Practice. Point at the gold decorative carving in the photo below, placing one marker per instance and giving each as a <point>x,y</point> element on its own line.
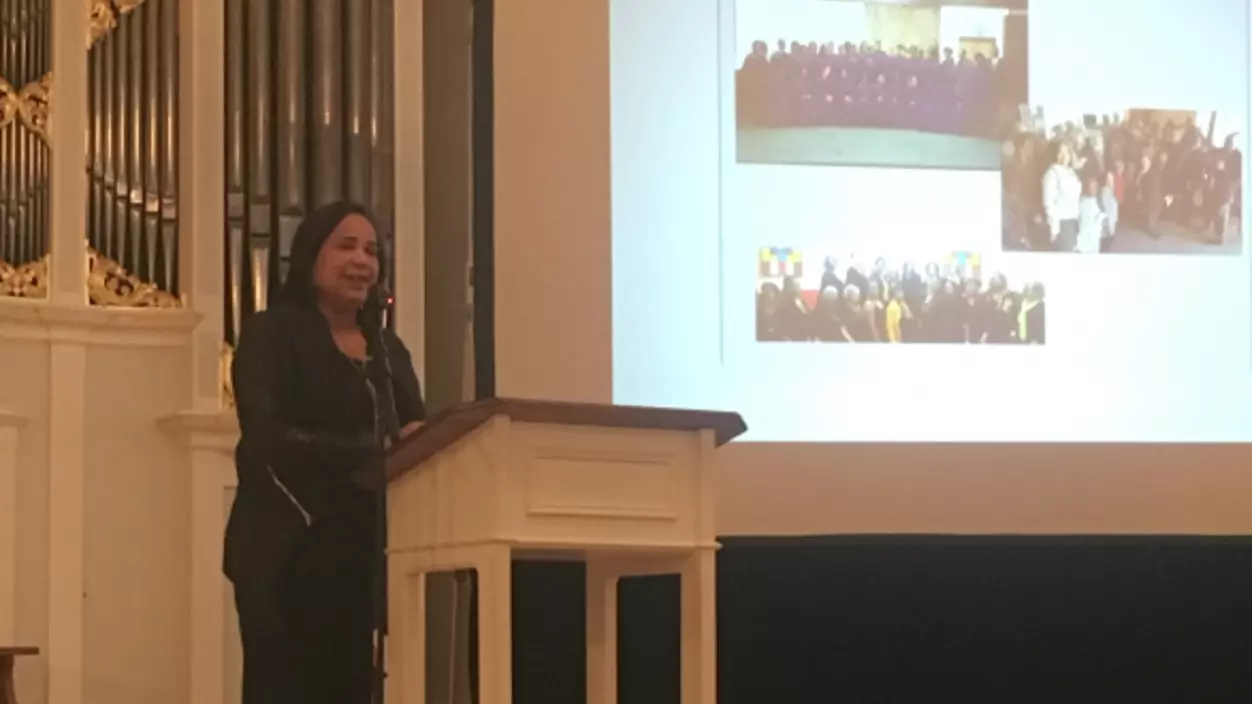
<point>8,103</point>
<point>33,104</point>
<point>109,284</point>
<point>226,359</point>
<point>28,280</point>
<point>30,104</point>
<point>105,15</point>
<point>103,20</point>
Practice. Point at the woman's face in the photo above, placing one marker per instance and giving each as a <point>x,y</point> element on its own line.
<point>347,267</point>
<point>1064,156</point>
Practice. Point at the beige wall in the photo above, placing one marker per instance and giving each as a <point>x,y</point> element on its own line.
<point>120,518</point>
<point>137,562</point>
<point>24,391</point>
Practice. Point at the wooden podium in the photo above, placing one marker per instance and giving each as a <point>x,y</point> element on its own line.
<point>628,490</point>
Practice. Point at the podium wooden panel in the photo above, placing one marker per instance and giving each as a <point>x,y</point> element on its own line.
<point>629,490</point>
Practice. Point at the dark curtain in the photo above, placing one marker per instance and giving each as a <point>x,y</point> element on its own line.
<point>912,620</point>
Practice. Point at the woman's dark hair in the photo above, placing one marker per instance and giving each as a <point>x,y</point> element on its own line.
<point>1054,150</point>
<point>299,288</point>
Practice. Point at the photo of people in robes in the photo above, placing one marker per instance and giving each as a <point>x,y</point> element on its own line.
<point>1142,181</point>
<point>952,299</point>
<point>834,82</point>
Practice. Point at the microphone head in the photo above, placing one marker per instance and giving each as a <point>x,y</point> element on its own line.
<point>380,297</point>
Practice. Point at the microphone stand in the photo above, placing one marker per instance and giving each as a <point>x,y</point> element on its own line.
<point>387,433</point>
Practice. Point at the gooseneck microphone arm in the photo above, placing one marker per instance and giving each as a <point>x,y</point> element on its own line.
<point>387,433</point>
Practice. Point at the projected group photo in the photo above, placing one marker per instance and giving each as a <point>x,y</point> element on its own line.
<point>955,299</point>
<point>836,82</point>
<point>1143,181</point>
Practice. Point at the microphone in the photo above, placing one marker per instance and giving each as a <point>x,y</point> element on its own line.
<point>380,298</point>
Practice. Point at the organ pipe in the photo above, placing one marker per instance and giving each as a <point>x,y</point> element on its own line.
<point>292,124</point>
<point>25,32</point>
<point>327,96</point>
<point>308,121</point>
<point>236,165</point>
<point>132,160</point>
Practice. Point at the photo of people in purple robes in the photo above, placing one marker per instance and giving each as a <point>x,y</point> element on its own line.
<point>925,84</point>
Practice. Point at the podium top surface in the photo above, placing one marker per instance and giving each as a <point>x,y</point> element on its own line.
<point>451,425</point>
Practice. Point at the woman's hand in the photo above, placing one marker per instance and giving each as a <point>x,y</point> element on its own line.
<point>404,433</point>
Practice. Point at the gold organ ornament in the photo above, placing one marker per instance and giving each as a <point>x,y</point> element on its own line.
<point>26,281</point>
<point>29,104</point>
<point>109,284</point>
<point>226,359</point>
<point>8,104</point>
<point>104,16</point>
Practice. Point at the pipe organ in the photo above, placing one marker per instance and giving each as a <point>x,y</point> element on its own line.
<point>308,121</point>
<point>25,58</point>
<point>309,118</point>
<point>132,156</point>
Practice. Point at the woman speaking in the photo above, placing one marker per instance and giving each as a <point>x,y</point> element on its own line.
<point>300,543</point>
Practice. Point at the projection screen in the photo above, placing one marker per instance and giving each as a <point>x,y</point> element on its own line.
<point>964,267</point>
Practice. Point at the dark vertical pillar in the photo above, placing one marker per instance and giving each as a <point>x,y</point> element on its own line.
<point>483,146</point>
<point>446,85</point>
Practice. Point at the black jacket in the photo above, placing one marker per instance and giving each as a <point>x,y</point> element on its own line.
<point>306,419</point>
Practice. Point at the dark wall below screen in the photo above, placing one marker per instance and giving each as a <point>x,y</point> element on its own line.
<point>921,619</point>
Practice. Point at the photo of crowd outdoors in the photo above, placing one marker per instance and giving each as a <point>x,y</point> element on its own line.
<point>955,298</point>
<point>927,84</point>
<point>1142,181</point>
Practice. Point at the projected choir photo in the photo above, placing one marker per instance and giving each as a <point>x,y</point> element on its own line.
<point>834,82</point>
<point>954,299</point>
<point>1142,181</point>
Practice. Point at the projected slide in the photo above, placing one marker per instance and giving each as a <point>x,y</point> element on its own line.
<point>813,296</point>
<point>1147,180</point>
<point>890,84</point>
<point>937,220</point>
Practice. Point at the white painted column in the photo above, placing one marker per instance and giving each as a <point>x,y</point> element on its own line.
<point>210,439</point>
<point>66,490</point>
<point>202,186</point>
<point>210,431</point>
<point>10,424</point>
<point>68,174</point>
<point>68,356</point>
<point>410,182</point>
